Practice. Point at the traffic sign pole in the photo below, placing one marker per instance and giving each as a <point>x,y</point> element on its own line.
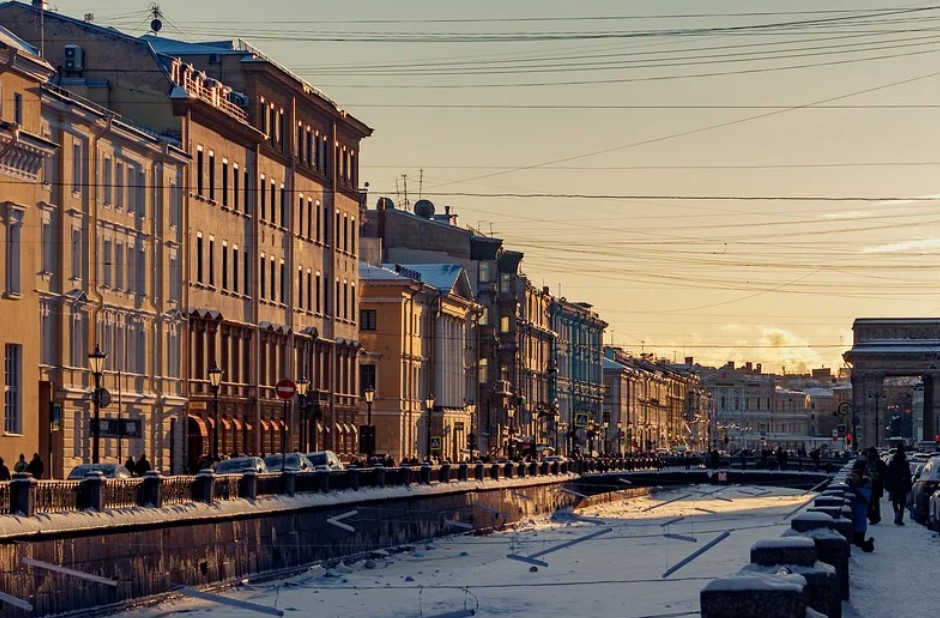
<point>285,389</point>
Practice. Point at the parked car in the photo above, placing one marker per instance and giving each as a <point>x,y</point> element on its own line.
<point>933,511</point>
<point>238,465</point>
<point>925,485</point>
<point>296,462</point>
<point>325,460</point>
<point>110,470</point>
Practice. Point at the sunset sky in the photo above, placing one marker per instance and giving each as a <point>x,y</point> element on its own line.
<point>724,180</point>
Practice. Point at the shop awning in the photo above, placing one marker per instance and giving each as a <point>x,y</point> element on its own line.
<point>201,425</point>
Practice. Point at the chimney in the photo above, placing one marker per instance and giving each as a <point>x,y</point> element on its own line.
<point>689,361</point>
<point>545,290</point>
<point>748,367</point>
<point>759,369</point>
<point>41,5</point>
<point>730,364</point>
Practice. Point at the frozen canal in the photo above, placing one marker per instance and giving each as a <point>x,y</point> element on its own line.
<point>617,574</point>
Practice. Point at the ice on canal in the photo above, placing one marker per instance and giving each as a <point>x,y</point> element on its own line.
<point>616,574</point>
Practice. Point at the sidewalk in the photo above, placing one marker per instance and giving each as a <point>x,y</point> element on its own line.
<point>898,579</point>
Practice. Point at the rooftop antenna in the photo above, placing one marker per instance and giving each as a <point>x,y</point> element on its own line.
<point>89,18</point>
<point>420,183</point>
<point>156,25</point>
<point>398,191</point>
<point>404,182</point>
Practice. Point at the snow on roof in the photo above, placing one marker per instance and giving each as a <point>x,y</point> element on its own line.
<point>172,47</point>
<point>379,273</point>
<point>442,276</point>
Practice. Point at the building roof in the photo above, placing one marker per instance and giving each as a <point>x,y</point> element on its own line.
<point>368,272</point>
<point>444,277</point>
<point>9,39</point>
<point>172,47</point>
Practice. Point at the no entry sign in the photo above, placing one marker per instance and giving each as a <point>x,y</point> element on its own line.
<point>285,388</point>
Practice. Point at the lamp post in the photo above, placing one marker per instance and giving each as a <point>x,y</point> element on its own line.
<point>429,405</point>
<point>215,381</point>
<point>96,363</point>
<point>302,385</point>
<point>369,394</point>
<point>619,438</point>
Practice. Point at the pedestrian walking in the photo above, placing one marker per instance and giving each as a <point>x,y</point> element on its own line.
<point>876,469</point>
<point>36,467</point>
<point>898,483</point>
<point>4,471</point>
<point>143,465</point>
<point>130,465</point>
<point>860,485</point>
<point>20,466</point>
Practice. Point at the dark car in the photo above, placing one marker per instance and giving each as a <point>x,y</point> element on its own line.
<point>111,471</point>
<point>238,465</point>
<point>927,483</point>
<point>296,462</point>
<point>325,460</point>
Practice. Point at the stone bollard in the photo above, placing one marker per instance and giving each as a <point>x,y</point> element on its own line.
<point>544,468</point>
<point>151,490</point>
<point>478,470</point>
<point>248,485</point>
<point>494,472</point>
<point>463,471</point>
<point>558,468</point>
<point>425,474</point>
<point>829,501</point>
<point>533,469</point>
<point>379,475</point>
<point>833,493</point>
<point>352,478</point>
<point>289,482</point>
<point>832,548</point>
<point>23,495</point>
<point>831,511</point>
<point>404,474</point>
<point>523,469</point>
<point>204,487</point>
<point>445,473</point>
<point>822,585</point>
<point>811,521</point>
<point>786,550</point>
<point>321,480</point>
<point>509,470</point>
<point>754,595</point>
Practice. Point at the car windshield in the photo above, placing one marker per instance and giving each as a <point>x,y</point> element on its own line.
<point>274,461</point>
<point>109,470</point>
<point>318,459</point>
<point>235,465</point>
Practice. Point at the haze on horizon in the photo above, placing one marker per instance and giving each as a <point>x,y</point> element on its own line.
<point>732,182</point>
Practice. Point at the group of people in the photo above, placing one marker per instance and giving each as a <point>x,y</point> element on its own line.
<point>34,466</point>
<point>868,481</point>
<point>139,467</point>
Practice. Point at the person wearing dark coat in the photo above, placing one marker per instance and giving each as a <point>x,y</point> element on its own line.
<point>131,466</point>
<point>36,467</point>
<point>898,483</point>
<point>875,470</point>
<point>4,471</point>
<point>143,465</point>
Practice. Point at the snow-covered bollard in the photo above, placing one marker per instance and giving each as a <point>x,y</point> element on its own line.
<point>784,551</point>
<point>832,548</point>
<point>23,495</point>
<point>151,490</point>
<point>248,485</point>
<point>822,584</point>
<point>832,511</point>
<point>755,595</point>
<point>204,487</point>
<point>829,501</point>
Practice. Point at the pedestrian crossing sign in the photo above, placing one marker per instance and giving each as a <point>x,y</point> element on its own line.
<point>581,419</point>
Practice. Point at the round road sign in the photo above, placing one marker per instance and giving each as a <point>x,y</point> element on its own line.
<point>285,388</point>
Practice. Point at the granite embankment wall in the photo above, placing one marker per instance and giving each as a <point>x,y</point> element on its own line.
<point>150,551</point>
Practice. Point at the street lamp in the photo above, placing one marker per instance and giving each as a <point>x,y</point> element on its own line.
<point>302,385</point>
<point>429,404</point>
<point>96,362</point>
<point>215,380</point>
<point>619,438</point>
<point>369,394</point>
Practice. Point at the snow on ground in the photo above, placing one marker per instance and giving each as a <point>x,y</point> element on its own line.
<point>898,578</point>
<point>618,574</point>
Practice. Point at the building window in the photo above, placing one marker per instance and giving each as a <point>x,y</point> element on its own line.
<point>225,266</point>
<point>107,181</point>
<point>310,215</point>
<point>285,206</point>
<point>247,190</point>
<point>211,262</point>
<point>18,108</point>
<point>300,215</point>
<point>77,167</point>
<point>309,291</point>
<point>273,202</point>
<point>264,204</point>
<point>285,281</point>
<point>199,250</point>
<point>200,171</point>
<point>247,287</point>
<point>106,264</point>
<point>367,377</point>
<point>76,254</point>
<point>12,378</point>
<point>300,287</point>
<point>211,175</point>
<point>119,266</point>
<point>225,182</point>
<point>367,319</point>
<point>235,184</point>
<point>14,250</point>
<point>273,287</point>
<point>235,269</point>
<point>264,280</point>
<point>119,185</point>
<point>318,307</point>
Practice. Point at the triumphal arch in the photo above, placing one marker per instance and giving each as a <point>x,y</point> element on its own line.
<point>885,347</point>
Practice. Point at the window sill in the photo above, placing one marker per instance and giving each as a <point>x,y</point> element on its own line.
<point>13,295</point>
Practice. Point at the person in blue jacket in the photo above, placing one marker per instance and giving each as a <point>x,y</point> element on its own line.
<point>860,486</point>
